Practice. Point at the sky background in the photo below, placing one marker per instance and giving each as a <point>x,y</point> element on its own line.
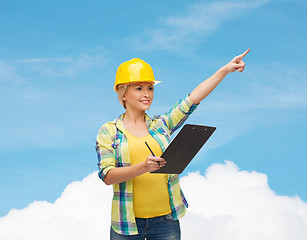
<point>57,68</point>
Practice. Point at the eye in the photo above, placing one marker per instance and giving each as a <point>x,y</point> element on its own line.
<point>150,88</point>
<point>138,88</point>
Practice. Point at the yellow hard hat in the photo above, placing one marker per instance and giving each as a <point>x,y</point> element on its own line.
<point>134,70</point>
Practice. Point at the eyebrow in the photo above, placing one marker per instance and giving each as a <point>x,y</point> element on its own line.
<point>151,85</point>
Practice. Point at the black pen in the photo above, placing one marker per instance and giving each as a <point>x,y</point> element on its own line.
<point>150,149</point>
<point>152,152</point>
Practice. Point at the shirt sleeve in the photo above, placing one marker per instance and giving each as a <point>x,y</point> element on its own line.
<point>178,114</point>
<point>105,152</point>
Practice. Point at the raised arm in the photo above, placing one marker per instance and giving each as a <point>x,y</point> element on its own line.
<point>207,86</point>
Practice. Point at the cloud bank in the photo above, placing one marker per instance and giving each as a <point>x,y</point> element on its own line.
<point>225,203</point>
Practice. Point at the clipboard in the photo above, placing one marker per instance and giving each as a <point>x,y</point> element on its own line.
<point>184,147</point>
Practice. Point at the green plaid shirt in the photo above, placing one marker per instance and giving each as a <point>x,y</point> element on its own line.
<point>112,150</point>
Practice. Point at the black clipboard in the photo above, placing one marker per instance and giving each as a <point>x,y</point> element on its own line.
<point>184,147</point>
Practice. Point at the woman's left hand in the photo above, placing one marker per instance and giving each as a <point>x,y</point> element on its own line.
<point>236,64</point>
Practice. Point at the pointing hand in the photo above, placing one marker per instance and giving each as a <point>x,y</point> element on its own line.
<point>236,64</point>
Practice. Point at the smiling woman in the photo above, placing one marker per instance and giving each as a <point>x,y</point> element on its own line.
<point>136,89</point>
<point>146,205</point>
<point>138,95</point>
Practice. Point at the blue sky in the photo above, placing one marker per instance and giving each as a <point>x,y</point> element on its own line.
<point>57,69</point>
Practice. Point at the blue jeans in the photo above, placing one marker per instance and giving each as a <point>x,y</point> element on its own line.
<point>157,228</point>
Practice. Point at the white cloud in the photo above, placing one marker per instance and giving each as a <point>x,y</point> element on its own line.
<point>9,74</point>
<point>82,212</point>
<point>230,204</point>
<point>225,203</point>
<point>174,32</point>
<point>33,69</point>
<point>66,66</point>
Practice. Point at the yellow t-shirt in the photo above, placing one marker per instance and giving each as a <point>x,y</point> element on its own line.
<point>150,191</point>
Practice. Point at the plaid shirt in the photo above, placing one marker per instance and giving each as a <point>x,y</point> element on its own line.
<point>112,150</point>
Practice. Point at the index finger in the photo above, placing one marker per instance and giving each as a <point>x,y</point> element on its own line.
<point>244,54</point>
<point>158,159</point>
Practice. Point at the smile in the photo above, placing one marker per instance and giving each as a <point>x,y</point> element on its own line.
<point>145,101</point>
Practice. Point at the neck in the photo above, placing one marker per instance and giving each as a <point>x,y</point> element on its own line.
<point>132,117</point>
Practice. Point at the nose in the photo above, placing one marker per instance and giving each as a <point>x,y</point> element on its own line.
<point>146,93</point>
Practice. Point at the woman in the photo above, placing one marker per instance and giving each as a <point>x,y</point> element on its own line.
<point>146,205</point>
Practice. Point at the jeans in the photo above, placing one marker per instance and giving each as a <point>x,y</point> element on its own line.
<point>157,228</point>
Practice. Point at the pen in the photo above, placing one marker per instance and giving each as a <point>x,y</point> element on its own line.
<point>150,149</point>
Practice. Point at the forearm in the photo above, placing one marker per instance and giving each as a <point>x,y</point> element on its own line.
<point>207,86</point>
<point>122,174</point>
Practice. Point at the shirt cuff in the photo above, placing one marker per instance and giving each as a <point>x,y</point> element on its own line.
<point>188,99</point>
<point>188,105</point>
<point>103,173</point>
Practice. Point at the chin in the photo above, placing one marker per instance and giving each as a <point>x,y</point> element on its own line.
<point>139,107</point>
<point>146,108</point>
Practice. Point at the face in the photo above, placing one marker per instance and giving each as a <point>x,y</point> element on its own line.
<point>139,96</point>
